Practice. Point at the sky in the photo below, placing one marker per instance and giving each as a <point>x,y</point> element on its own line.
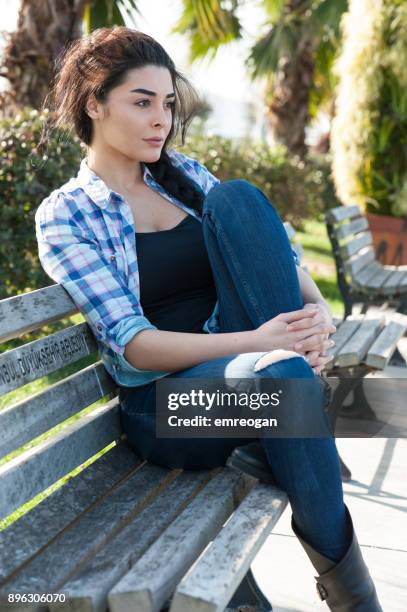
<point>237,102</point>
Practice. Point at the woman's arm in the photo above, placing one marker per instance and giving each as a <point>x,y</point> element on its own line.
<point>310,291</point>
<point>172,351</point>
<point>163,350</point>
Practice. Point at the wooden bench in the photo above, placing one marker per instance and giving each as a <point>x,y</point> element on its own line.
<point>121,534</point>
<point>361,277</point>
<point>364,343</point>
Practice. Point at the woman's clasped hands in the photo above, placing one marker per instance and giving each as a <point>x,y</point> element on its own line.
<point>304,331</point>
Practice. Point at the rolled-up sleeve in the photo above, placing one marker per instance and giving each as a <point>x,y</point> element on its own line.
<point>75,261</point>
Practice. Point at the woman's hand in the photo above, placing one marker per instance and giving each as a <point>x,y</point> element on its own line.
<point>317,359</point>
<point>300,330</point>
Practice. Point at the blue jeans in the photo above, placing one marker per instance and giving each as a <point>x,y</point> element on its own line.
<point>256,279</point>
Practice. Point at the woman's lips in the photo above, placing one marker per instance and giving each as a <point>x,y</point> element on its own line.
<point>154,142</point>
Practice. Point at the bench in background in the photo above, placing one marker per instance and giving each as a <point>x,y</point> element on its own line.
<point>365,342</point>
<point>361,277</point>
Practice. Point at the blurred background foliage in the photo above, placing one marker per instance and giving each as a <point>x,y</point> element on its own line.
<point>347,59</point>
<point>27,177</point>
<point>369,135</point>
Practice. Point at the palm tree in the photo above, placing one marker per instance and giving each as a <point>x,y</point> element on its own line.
<point>44,27</point>
<point>295,55</point>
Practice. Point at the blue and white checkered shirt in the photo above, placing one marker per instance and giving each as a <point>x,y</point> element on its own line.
<point>86,243</point>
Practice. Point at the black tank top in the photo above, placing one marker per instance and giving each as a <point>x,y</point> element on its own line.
<point>177,290</point>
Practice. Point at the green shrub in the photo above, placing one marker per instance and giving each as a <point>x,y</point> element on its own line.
<point>296,190</point>
<point>25,180</point>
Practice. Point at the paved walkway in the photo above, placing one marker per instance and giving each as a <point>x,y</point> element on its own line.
<point>377,499</point>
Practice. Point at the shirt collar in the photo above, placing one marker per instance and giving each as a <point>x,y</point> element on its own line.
<point>96,188</point>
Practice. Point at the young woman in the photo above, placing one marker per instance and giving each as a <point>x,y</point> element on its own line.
<point>180,275</point>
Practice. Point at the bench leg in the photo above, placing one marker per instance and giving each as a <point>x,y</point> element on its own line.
<point>249,595</point>
<point>397,359</point>
<point>346,386</point>
<point>360,407</point>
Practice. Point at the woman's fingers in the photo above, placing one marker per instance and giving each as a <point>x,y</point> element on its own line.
<point>307,323</point>
<point>312,358</point>
<point>314,343</point>
<point>296,315</point>
<point>321,363</point>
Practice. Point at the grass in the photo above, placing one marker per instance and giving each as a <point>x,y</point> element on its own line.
<point>320,264</point>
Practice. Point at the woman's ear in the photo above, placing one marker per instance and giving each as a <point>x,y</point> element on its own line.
<point>93,108</point>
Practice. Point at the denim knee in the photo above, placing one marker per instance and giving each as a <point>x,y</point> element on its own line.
<point>295,367</point>
<point>229,195</point>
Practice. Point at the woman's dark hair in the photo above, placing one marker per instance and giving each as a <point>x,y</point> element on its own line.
<point>98,63</point>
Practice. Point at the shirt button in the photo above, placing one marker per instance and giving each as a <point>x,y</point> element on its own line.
<point>99,327</point>
<point>112,258</point>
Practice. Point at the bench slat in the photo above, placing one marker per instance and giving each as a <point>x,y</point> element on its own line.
<point>211,582</point>
<point>356,348</point>
<point>24,364</point>
<point>362,277</point>
<point>88,589</point>
<point>382,349</point>
<point>31,417</point>
<point>340,213</point>
<point>395,283</point>
<point>378,279</point>
<point>154,577</point>
<point>75,546</point>
<point>359,261</point>
<point>37,468</point>
<point>349,229</point>
<point>290,231</point>
<point>41,524</point>
<point>345,330</point>
<point>21,314</point>
<point>355,245</point>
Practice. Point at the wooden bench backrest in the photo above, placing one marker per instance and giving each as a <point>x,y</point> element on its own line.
<point>351,231</point>
<point>31,472</point>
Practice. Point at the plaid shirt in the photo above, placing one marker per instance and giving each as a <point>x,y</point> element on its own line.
<point>86,243</point>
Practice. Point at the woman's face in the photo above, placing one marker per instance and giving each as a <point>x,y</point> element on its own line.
<point>135,111</point>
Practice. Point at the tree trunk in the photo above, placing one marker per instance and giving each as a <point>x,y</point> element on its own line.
<point>288,112</point>
<point>44,28</point>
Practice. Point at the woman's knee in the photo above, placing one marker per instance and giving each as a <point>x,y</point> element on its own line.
<point>233,194</point>
<point>280,363</point>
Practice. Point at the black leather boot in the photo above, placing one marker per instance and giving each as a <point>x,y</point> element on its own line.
<point>346,586</point>
<point>251,459</point>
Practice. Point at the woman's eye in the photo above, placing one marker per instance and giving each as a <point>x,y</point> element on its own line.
<point>145,103</point>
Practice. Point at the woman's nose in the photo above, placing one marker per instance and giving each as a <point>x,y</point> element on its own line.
<point>160,118</point>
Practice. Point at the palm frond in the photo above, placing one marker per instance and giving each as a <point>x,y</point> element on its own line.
<point>107,13</point>
<point>274,9</point>
<point>326,15</point>
<point>280,41</point>
<point>208,25</point>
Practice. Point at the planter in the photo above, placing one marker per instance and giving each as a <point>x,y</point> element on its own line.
<point>389,238</point>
